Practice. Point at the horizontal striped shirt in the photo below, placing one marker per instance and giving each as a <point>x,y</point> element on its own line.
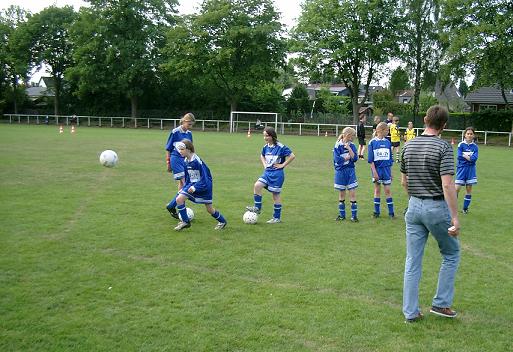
<point>424,160</point>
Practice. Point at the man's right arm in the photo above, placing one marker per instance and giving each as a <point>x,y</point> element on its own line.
<point>450,197</point>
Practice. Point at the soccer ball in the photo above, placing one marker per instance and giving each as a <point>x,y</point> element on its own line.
<point>190,214</point>
<point>108,158</point>
<point>250,218</point>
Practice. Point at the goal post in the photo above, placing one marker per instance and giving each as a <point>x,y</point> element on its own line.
<point>245,120</point>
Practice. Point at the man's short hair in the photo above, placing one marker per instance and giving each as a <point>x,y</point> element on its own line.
<point>436,117</point>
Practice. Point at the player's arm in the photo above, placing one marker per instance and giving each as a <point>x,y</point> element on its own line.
<point>474,155</point>
<point>262,159</point>
<point>168,160</point>
<point>288,159</point>
<point>450,198</point>
<point>375,176</point>
<point>337,157</point>
<point>351,148</point>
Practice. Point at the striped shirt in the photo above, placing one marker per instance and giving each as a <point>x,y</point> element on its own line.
<point>424,160</point>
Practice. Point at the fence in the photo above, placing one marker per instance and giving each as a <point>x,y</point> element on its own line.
<point>284,128</point>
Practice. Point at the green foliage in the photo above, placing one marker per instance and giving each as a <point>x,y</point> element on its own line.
<point>232,45</point>
<point>493,120</point>
<point>463,88</point>
<point>426,100</point>
<point>399,80</point>
<point>299,104</point>
<point>327,102</point>
<point>349,38</point>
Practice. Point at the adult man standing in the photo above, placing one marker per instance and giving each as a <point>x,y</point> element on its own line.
<point>427,170</point>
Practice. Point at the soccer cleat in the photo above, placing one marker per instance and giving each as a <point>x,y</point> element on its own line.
<point>375,215</point>
<point>465,211</point>
<point>340,218</point>
<point>253,209</point>
<point>354,219</point>
<point>220,226</point>
<point>443,312</point>
<point>182,225</point>
<point>173,213</point>
<point>419,317</point>
<point>392,216</point>
<point>274,221</point>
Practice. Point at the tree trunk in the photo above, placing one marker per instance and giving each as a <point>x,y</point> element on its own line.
<point>14,94</point>
<point>133,102</point>
<point>57,98</point>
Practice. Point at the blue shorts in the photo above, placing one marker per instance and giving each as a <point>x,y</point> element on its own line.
<point>384,175</point>
<point>345,179</point>
<point>204,197</point>
<point>466,175</point>
<point>178,167</point>
<point>273,180</point>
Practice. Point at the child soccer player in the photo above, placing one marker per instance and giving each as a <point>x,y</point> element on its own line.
<point>410,132</point>
<point>344,157</point>
<point>380,160</point>
<point>377,120</point>
<point>466,167</point>
<point>275,156</point>
<point>175,162</point>
<point>197,187</point>
<point>395,138</point>
<point>361,135</point>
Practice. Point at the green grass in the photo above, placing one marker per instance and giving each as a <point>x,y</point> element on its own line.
<point>89,260</point>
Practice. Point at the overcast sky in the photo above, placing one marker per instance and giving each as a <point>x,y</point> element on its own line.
<point>289,9</point>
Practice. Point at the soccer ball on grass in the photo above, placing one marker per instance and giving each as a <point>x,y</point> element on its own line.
<point>108,158</point>
<point>190,214</point>
<point>250,218</point>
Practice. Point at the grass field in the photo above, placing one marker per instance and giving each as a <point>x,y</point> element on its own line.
<point>89,260</point>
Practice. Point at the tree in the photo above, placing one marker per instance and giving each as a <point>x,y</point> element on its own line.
<point>399,80</point>
<point>232,44</point>
<point>117,47</point>
<point>463,87</point>
<point>350,38</point>
<point>48,32</point>
<point>14,53</point>
<point>480,39</point>
<point>421,49</point>
<point>299,103</point>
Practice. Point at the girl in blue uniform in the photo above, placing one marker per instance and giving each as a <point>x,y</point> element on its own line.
<point>197,188</point>
<point>380,160</point>
<point>175,162</point>
<point>275,157</point>
<point>466,167</point>
<point>344,157</point>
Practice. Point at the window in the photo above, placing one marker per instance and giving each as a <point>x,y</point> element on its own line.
<point>487,107</point>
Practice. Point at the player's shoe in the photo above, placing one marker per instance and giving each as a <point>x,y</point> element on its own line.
<point>375,215</point>
<point>391,216</point>
<point>419,317</point>
<point>253,209</point>
<point>340,218</point>
<point>274,221</point>
<point>354,219</point>
<point>220,226</point>
<point>465,211</point>
<point>173,213</point>
<point>182,225</point>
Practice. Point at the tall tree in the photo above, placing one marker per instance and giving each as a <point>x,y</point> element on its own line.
<point>480,40</point>
<point>234,45</point>
<point>399,80</point>
<point>50,46</point>
<point>117,45</point>
<point>352,38</point>
<point>421,49</point>
<point>14,52</point>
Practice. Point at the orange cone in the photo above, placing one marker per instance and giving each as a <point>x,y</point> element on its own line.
<point>326,134</point>
<point>61,130</point>
<point>72,128</point>
<point>249,132</point>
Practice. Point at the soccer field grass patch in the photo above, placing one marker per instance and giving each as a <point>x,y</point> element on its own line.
<point>89,259</point>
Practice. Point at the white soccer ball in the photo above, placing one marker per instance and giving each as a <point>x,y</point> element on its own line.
<point>190,214</point>
<point>250,218</point>
<point>108,158</point>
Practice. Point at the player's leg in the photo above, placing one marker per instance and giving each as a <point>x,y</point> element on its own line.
<point>467,199</point>
<point>390,201</point>
<point>354,205</point>
<point>257,197</point>
<point>221,221</point>
<point>341,205</point>
<point>171,207</point>
<point>377,199</point>
<point>277,209</point>
<point>182,210</point>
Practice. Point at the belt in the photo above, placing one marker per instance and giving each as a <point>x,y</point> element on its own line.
<point>432,198</point>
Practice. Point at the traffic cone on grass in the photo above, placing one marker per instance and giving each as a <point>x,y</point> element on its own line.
<point>72,128</point>
<point>61,129</point>
<point>249,132</point>
<point>326,134</point>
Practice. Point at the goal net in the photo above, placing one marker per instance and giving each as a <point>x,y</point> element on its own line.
<point>242,121</point>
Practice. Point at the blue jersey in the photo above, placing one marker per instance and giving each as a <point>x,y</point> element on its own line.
<point>198,174</point>
<point>275,154</point>
<point>177,135</point>
<point>340,153</point>
<point>469,149</point>
<point>380,152</point>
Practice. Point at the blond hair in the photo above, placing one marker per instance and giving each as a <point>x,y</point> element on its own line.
<point>189,117</point>
<point>346,131</point>
<point>382,127</point>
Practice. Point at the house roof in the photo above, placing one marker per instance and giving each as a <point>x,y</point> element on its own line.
<point>46,82</point>
<point>488,95</point>
<point>405,93</point>
<point>37,92</point>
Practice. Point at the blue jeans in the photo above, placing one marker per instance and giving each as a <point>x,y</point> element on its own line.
<point>425,216</point>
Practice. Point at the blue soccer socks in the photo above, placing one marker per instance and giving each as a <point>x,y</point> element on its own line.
<point>277,211</point>
<point>342,209</point>
<point>390,204</point>
<point>354,210</point>
<point>466,201</point>
<point>258,201</point>
<point>219,217</point>
<point>377,202</point>
<point>183,212</point>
